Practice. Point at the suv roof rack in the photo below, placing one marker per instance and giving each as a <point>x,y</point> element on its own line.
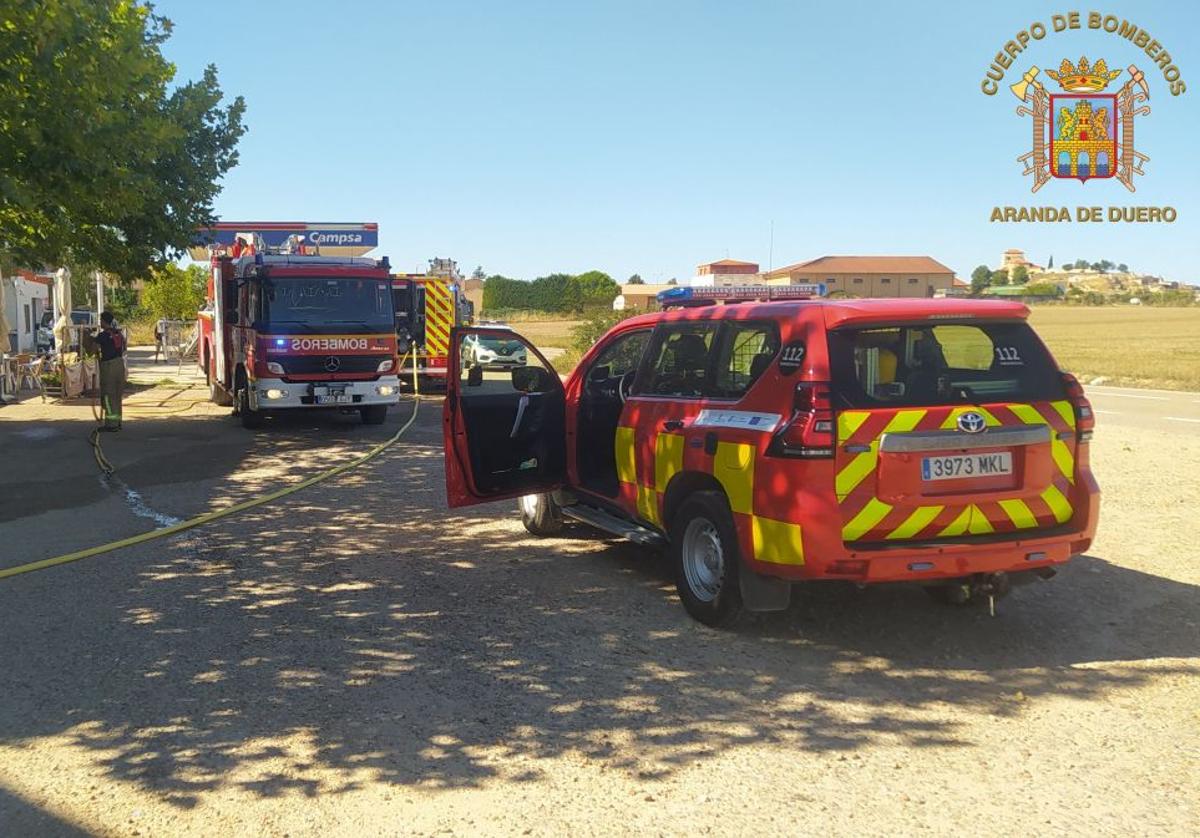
<point>705,295</point>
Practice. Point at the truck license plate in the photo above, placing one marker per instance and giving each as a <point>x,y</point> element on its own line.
<point>333,398</point>
<point>959,466</point>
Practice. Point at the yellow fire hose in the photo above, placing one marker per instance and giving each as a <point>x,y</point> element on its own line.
<point>208,517</point>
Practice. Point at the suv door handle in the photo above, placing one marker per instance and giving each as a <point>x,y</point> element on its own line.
<point>672,424</point>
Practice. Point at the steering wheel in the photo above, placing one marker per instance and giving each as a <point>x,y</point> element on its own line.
<point>624,383</point>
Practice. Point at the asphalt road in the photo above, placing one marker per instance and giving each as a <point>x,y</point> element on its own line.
<point>356,659</point>
<point>1153,409</point>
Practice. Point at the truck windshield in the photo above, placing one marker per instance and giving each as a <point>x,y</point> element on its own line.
<point>919,366</point>
<point>342,304</point>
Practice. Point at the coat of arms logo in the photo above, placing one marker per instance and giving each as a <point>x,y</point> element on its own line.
<point>1083,133</point>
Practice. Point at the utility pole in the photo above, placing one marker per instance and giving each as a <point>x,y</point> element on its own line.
<point>99,295</point>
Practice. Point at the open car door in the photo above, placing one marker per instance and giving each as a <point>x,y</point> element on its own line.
<point>504,418</point>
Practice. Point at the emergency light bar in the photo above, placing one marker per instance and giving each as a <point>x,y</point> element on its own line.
<point>707,294</point>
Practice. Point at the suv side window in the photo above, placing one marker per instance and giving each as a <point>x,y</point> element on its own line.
<point>746,350</point>
<point>680,356</point>
<point>624,354</point>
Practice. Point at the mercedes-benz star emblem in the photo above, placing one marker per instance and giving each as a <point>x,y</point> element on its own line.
<point>971,422</point>
<point>333,364</point>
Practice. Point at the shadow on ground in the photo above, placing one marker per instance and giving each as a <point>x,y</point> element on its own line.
<point>361,633</point>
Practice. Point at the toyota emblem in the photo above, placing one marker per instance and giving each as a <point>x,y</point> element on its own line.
<point>333,364</point>
<point>971,422</point>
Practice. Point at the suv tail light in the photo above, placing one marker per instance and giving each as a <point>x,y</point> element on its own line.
<point>809,433</point>
<point>1084,420</point>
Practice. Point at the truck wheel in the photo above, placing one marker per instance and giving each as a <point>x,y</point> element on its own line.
<point>373,414</point>
<point>251,419</point>
<point>540,514</point>
<point>704,550</point>
<point>216,393</point>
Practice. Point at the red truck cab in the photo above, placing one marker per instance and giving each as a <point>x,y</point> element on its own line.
<point>770,443</point>
<point>297,331</point>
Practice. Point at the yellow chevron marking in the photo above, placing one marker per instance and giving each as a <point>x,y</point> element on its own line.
<point>779,542</point>
<point>959,525</point>
<point>1059,450</point>
<point>733,466</point>
<point>917,521</point>
<point>849,422</point>
<point>862,523</point>
<point>864,464</point>
<point>1067,411</point>
<point>979,525</point>
<point>1058,503</point>
<point>1018,512</point>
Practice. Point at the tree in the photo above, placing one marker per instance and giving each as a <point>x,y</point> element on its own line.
<point>635,279</point>
<point>672,281</point>
<point>1123,268</point>
<point>175,293</point>
<point>1097,267</point>
<point>981,278</point>
<point>597,289</point>
<point>1020,275</point>
<point>1050,264</point>
<point>999,277</point>
<point>478,273</point>
<point>1106,266</point>
<point>100,162</point>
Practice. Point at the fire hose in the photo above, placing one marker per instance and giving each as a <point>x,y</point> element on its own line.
<point>209,517</point>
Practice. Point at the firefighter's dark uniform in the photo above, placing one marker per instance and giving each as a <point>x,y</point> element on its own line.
<point>111,344</point>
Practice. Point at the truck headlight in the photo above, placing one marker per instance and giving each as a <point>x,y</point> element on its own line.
<point>385,389</point>
<point>384,366</point>
<point>275,367</point>
<point>275,393</point>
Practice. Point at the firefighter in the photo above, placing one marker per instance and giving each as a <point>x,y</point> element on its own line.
<point>110,343</point>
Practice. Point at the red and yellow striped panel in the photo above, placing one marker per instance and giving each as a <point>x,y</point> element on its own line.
<point>439,318</point>
<point>866,518</point>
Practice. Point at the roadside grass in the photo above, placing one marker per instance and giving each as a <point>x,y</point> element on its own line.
<point>1134,346</point>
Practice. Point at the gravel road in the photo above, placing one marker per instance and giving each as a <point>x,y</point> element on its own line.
<point>357,660</point>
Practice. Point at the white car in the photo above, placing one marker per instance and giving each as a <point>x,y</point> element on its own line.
<point>492,353</point>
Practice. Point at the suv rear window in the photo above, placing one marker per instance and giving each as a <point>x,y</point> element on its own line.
<point>944,364</point>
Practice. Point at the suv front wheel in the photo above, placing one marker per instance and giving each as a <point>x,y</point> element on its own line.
<point>707,562</point>
<point>540,514</point>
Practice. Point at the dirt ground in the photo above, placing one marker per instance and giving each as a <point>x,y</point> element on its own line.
<point>358,660</point>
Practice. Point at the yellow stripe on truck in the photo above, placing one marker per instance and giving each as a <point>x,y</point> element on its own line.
<point>626,460</point>
<point>733,466</point>
<point>778,542</point>
<point>668,459</point>
<point>921,517</point>
<point>1019,513</point>
<point>439,318</point>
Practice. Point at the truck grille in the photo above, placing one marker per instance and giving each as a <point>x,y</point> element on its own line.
<point>320,364</point>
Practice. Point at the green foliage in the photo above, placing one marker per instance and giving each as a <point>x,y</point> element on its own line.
<point>999,277</point>
<point>635,279</point>
<point>175,293</point>
<point>122,301</point>
<point>981,278</point>
<point>1123,268</point>
<point>100,161</point>
<point>1043,289</point>
<point>585,335</point>
<point>1020,275</point>
<point>553,293</point>
<point>1170,298</point>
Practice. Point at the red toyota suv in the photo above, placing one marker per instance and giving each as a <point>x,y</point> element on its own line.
<point>768,443</point>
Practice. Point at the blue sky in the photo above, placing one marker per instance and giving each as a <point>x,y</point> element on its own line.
<point>533,137</point>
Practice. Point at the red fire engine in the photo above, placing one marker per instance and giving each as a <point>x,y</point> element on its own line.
<point>284,328</point>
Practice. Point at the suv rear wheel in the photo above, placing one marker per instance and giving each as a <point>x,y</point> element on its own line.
<point>707,561</point>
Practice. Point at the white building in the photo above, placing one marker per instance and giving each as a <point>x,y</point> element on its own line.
<point>26,296</point>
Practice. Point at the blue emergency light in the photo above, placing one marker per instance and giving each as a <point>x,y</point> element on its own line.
<point>699,295</point>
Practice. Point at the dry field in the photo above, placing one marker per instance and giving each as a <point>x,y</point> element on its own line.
<point>1137,346</point>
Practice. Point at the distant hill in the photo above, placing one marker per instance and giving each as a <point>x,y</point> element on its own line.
<point>1110,284</point>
